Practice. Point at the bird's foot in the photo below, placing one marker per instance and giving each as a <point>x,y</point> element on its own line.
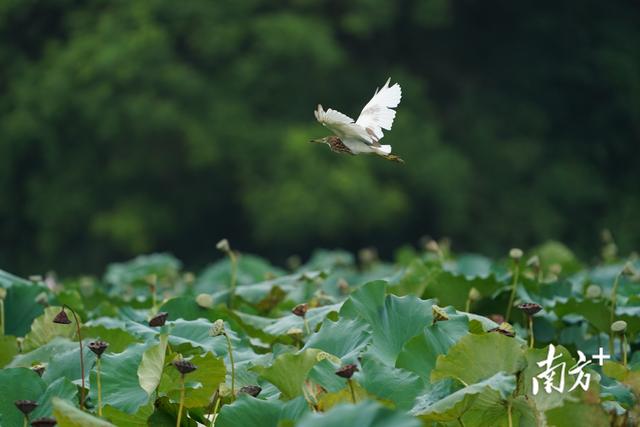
<point>394,158</point>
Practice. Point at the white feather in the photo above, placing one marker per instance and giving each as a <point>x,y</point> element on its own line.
<point>378,113</point>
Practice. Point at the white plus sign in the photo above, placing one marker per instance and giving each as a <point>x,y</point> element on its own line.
<point>601,356</point>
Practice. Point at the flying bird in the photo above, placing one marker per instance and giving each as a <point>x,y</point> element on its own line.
<point>363,135</point>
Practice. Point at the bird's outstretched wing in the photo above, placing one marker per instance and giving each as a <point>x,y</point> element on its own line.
<point>341,124</point>
<point>378,113</point>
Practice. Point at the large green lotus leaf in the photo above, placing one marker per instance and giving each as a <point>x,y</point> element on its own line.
<point>165,414</point>
<point>269,329</point>
<point>477,357</point>
<point>61,388</point>
<point>249,411</point>
<point>486,393</point>
<point>21,308</point>
<point>491,410</point>
<point>68,415</point>
<point>393,320</point>
<point>186,308</point>
<point>43,354</point>
<point>547,400</point>
<point>251,269</point>
<point>364,414</point>
<point>289,371</point>
<point>8,280</point>
<point>164,266</point>
<point>596,312</point>
<point>117,338</point>
<point>17,384</point>
<point>553,252</point>
<point>123,419</point>
<point>419,354</point>
<point>44,330</point>
<point>8,349</point>
<point>152,365</point>
<point>67,364</point>
<point>200,384</point>
<point>389,384</point>
<point>119,377</point>
<point>415,278</point>
<point>572,414</point>
<point>345,338</point>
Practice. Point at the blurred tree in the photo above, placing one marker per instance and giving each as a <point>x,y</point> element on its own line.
<point>128,127</point>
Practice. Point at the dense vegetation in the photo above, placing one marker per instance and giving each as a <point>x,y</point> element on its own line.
<point>130,127</point>
<point>333,342</point>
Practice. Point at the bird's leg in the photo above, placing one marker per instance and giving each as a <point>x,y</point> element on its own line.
<point>394,158</point>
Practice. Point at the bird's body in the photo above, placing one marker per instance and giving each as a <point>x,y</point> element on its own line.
<point>363,135</point>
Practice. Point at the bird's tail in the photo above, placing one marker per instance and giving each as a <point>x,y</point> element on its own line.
<point>385,150</point>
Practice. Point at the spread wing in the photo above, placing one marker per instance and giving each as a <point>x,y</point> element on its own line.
<point>342,125</point>
<point>378,113</point>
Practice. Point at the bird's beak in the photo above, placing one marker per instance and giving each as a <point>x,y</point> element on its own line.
<point>317,140</point>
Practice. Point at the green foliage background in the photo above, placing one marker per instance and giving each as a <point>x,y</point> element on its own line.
<point>128,127</point>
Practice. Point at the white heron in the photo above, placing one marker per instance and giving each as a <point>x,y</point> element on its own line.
<point>363,135</point>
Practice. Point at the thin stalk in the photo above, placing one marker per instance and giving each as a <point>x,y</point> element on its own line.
<point>26,421</point>
<point>460,422</point>
<point>99,387</point>
<point>353,393</point>
<point>509,415</point>
<point>614,295</point>
<point>215,411</point>
<point>81,354</point>
<point>623,349</point>
<point>233,368</point>
<point>512,297</point>
<point>1,317</point>
<point>181,400</point>
<point>234,277</point>
<point>306,326</point>
<point>531,337</point>
<point>467,306</point>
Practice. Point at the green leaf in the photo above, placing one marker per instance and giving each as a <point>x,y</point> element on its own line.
<point>21,308</point>
<point>8,349</point>
<point>44,330</point>
<point>420,353</point>
<point>117,338</point>
<point>393,320</point>
<point>364,414</point>
<point>17,384</point>
<point>68,415</point>
<point>390,384</point>
<point>478,357</point>
<point>345,338</point>
<point>152,365</point>
<point>199,384</point>
<point>119,377</point>
<point>61,388</point>
<point>289,371</point>
<point>572,414</point>
<point>123,419</point>
<point>249,411</point>
<point>456,405</point>
<point>596,312</point>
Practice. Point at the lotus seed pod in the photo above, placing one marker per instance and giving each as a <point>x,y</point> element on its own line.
<point>594,291</point>
<point>438,314</point>
<point>474,295</point>
<point>368,255</point>
<point>223,245</point>
<point>204,300</point>
<point>516,253</point>
<point>347,371</point>
<point>343,286</point>
<point>26,406</point>
<point>432,246</point>
<point>555,269</point>
<point>98,347</point>
<point>184,366</point>
<point>44,422</point>
<point>217,329</point>
<point>504,329</point>
<point>530,308</point>
<point>295,332</point>
<point>35,278</point>
<point>38,369</point>
<point>42,298</point>
<point>159,319</point>
<point>628,270</point>
<point>300,310</point>
<point>619,326</point>
<point>497,318</point>
<point>251,390</point>
<point>62,318</point>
